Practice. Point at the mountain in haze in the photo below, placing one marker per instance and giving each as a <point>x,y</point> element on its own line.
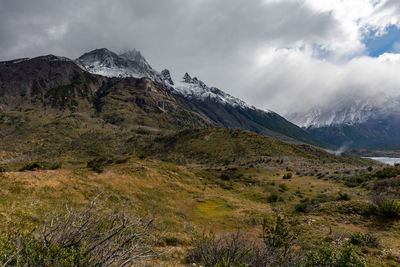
<point>221,108</point>
<point>354,122</point>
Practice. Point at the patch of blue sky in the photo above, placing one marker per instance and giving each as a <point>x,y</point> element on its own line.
<point>388,42</point>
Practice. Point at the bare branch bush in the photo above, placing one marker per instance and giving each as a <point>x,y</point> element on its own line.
<point>86,237</point>
<point>231,250</point>
<point>275,249</point>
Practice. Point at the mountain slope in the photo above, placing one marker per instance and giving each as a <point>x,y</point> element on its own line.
<point>47,80</point>
<point>224,147</point>
<point>49,107</point>
<point>57,83</point>
<point>219,107</point>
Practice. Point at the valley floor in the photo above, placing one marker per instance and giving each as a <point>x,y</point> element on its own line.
<point>187,202</point>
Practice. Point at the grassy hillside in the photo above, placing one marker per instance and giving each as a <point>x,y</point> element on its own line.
<point>196,181</point>
<point>219,146</point>
<point>186,202</point>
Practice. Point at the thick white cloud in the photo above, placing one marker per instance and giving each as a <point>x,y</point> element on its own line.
<point>293,81</point>
<point>284,55</point>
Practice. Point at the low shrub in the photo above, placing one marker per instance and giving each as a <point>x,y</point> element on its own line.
<point>385,185</point>
<point>56,165</point>
<point>283,187</point>
<point>361,239</point>
<point>287,176</point>
<point>230,250</point>
<point>343,196</point>
<point>304,206</point>
<point>31,166</point>
<point>4,168</point>
<point>172,241</point>
<point>322,198</point>
<point>87,237</point>
<point>232,174</point>
<point>96,166</point>
<point>388,209</point>
<point>273,197</point>
<point>387,173</point>
<point>328,255</point>
<point>234,250</point>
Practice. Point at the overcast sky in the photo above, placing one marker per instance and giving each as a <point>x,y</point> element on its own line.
<point>284,55</point>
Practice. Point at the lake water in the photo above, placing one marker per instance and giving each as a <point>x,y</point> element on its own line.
<point>386,160</point>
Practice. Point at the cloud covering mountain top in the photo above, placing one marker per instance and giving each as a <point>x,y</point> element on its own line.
<point>284,55</point>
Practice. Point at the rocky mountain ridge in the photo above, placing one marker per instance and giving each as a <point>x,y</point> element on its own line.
<point>123,90</point>
<point>223,109</point>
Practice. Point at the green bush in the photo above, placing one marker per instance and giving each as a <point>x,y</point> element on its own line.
<point>4,168</point>
<point>97,164</point>
<point>283,187</point>
<point>388,209</point>
<point>273,197</point>
<point>32,166</point>
<point>331,256</point>
<point>56,165</point>
<point>368,240</point>
<point>30,252</point>
<point>96,167</point>
<point>287,176</point>
<point>231,174</point>
<point>304,206</point>
<point>387,173</point>
<point>343,196</point>
<point>87,237</point>
<point>172,241</point>
<point>323,198</point>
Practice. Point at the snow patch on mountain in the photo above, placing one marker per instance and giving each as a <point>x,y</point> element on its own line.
<point>132,64</point>
<point>195,88</point>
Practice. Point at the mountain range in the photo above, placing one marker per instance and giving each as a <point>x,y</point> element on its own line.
<point>123,91</point>
<point>354,121</point>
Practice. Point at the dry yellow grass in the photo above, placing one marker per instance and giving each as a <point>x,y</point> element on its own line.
<point>184,203</point>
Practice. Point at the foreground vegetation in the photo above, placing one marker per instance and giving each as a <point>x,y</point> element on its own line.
<point>205,192</point>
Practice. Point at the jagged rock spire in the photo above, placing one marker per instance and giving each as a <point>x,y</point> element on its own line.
<point>187,78</point>
<point>166,76</point>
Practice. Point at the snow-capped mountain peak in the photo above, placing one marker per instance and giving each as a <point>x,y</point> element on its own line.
<point>132,64</point>
<point>107,63</point>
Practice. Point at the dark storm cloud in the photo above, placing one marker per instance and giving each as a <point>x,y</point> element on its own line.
<point>180,34</point>
<point>227,43</point>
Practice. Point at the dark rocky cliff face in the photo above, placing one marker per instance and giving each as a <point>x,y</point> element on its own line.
<point>46,80</point>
